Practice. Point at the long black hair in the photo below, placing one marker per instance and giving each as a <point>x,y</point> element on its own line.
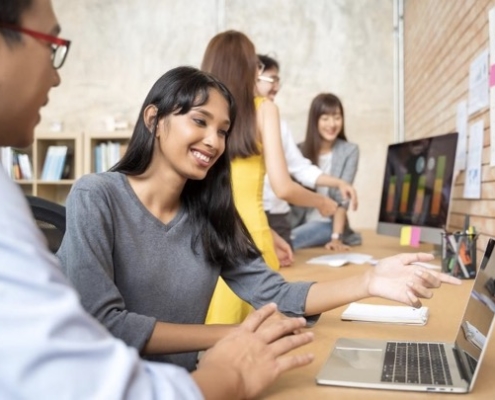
<point>209,202</point>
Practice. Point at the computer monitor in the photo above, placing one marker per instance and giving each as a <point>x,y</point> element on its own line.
<point>417,186</point>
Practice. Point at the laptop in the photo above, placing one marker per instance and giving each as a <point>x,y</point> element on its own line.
<point>421,366</point>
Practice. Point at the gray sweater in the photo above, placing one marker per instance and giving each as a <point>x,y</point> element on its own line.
<point>132,270</point>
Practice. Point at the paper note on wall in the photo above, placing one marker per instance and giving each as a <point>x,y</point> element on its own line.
<point>462,127</point>
<point>478,83</point>
<point>491,32</point>
<point>472,183</point>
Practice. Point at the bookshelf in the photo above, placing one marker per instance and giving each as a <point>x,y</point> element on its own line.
<point>67,164</point>
<point>79,158</point>
<point>56,189</point>
<point>11,161</point>
<point>103,149</point>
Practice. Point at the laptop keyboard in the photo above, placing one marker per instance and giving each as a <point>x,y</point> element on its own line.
<point>421,363</point>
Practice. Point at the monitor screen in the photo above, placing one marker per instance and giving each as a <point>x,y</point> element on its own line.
<point>417,186</point>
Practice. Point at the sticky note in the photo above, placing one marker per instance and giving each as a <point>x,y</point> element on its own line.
<point>492,75</point>
<point>405,236</point>
<point>415,235</point>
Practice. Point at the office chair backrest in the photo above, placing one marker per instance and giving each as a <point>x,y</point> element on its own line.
<point>50,218</point>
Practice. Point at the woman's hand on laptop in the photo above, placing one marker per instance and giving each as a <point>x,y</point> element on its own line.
<point>397,278</point>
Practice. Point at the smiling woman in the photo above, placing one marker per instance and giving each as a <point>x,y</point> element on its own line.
<point>146,243</point>
<point>147,240</point>
<point>198,136</point>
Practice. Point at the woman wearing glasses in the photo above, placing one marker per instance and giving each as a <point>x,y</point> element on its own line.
<point>255,147</point>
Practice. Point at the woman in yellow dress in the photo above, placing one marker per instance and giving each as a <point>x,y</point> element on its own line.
<point>255,147</point>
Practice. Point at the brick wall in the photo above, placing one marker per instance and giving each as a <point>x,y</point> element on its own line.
<point>442,38</point>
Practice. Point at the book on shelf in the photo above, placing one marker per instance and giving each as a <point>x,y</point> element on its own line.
<point>107,154</point>
<point>16,169</point>
<point>16,164</point>
<point>25,167</point>
<point>6,158</point>
<point>66,172</point>
<point>53,167</point>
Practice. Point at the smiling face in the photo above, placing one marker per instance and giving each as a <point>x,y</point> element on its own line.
<point>26,76</point>
<point>330,125</point>
<point>191,143</point>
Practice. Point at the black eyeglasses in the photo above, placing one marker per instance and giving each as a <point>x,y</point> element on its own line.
<point>59,47</point>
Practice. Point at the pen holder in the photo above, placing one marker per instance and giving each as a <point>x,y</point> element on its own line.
<point>459,254</point>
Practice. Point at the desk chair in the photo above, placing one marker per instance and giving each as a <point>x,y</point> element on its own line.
<point>50,218</point>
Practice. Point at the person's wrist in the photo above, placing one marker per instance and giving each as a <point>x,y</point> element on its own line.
<point>231,385</point>
<point>366,283</point>
<point>336,237</point>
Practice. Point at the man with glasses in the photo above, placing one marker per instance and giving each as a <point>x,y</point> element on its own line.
<point>300,168</point>
<point>50,348</point>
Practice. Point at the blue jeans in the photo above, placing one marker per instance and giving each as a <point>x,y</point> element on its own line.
<point>311,234</point>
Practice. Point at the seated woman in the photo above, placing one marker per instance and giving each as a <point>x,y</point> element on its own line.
<point>146,242</point>
<point>327,147</point>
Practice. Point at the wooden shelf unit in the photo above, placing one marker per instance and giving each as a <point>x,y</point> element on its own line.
<point>93,139</point>
<point>81,147</point>
<point>54,190</point>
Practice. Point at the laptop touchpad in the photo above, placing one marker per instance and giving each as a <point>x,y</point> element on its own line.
<point>358,358</point>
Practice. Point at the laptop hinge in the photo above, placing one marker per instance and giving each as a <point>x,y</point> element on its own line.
<point>462,364</point>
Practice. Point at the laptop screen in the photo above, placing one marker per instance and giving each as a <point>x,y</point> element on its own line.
<point>479,314</point>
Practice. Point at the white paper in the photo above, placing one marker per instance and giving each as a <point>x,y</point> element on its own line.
<point>461,124</point>
<point>478,83</point>
<point>491,30</point>
<point>472,185</point>
<point>387,314</point>
<point>337,260</point>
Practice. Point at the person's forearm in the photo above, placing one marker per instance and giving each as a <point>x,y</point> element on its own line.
<point>177,338</point>
<point>299,196</point>
<point>346,190</point>
<point>327,180</point>
<point>339,220</point>
<point>324,296</point>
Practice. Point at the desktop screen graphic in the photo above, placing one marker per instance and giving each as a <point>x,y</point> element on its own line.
<point>417,185</point>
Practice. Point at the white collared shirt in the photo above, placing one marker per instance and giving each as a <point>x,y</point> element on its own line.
<point>50,348</point>
<point>299,167</point>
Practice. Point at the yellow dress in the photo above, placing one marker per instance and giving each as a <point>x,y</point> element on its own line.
<point>247,181</point>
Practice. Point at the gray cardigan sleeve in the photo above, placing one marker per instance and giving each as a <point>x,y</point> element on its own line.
<point>349,164</point>
<point>257,284</point>
<point>86,258</point>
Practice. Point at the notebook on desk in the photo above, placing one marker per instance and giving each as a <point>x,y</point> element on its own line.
<point>419,366</point>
